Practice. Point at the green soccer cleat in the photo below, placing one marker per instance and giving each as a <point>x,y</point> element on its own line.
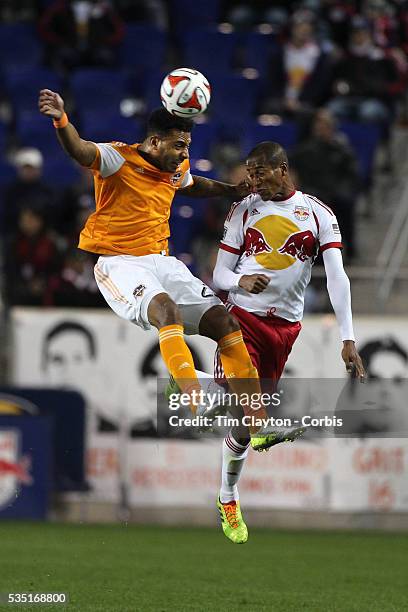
<point>232,522</point>
<point>172,388</point>
<point>267,437</point>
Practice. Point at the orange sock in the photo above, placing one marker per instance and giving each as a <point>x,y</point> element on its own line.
<point>179,360</point>
<point>240,372</point>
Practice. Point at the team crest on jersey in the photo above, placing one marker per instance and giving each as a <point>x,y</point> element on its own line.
<point>301,213</point>
<point>139,291</point>
<point>175,178</point>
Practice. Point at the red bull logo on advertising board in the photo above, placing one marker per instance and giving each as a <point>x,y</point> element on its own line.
<point>14,468</point>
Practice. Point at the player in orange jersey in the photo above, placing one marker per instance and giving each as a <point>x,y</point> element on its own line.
<point>134,189</point>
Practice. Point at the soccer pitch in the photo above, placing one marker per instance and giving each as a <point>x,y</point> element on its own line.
<point>128,568</point>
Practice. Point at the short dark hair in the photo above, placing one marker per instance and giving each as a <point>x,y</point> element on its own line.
<point>161,122</point>
<point>387,344</point>
<point>272,152</point>
<point>147,368</point>
<point>67,326</point>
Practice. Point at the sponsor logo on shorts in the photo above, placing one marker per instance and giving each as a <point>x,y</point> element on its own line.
<point>206,292</point>
<point>301,213</point>
<point>139,291</point>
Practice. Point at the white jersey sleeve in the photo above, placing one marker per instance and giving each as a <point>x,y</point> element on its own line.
<point>338,287</point>
<point>328,231</point>
<point>224,275</point>
<point>111,159</point>
<point>233,236</point>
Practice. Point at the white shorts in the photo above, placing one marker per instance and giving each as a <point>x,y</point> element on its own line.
<point>129,283</point>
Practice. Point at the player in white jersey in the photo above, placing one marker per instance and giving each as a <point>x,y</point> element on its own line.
<point>271,239</point>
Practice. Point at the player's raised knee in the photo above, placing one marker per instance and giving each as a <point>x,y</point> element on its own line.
<point>163,311</point>
<point>217,323</point>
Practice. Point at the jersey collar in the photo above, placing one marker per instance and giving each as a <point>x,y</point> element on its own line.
<point>285,200</point>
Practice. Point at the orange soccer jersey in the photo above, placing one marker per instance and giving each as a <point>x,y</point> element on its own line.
<point>133,200</point>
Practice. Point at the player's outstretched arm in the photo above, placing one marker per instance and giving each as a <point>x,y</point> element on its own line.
<point>209,188</point>
<point>338,287</point>
<point>51,105</point>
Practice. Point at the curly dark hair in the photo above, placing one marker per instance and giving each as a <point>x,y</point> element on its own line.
<point>161,122</point>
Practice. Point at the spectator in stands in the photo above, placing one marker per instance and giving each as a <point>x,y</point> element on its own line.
<point>154,12</point>
<point>31,257</point>
<point>300,71</point>
<point>11,10</point>
<point>206,244</point>
<point>327,167</point>
<point>337,14</point>
<point>244,15</point>
<point>81,33</point>
<point>366,82</point>
<point>28,189</point>
<point>74,285</point>
<point>382,18</point>
<point>76,203</point>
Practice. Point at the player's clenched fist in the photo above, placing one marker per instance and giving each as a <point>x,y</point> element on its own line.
<point>51,104</point>
<point>254,283</point>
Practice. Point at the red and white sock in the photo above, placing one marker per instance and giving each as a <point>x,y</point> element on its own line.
<point>233,458</point>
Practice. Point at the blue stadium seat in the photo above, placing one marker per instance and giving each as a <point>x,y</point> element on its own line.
<point>234,99</point>
<point>187,12</point>
<point>24,84</point>
<point>204,136</point>
<point>257,51</point>
<point>19,45</point>
<point>197,168</point>
<point>98,89</point>
<point>185,222</point>
<point>3,136</point>
<point>209,49</point>
<point>7,173</point>
<point>152,90</point>
<point>35,130</point>
<point>285,133</point>
<point>364,139</point>
<point>143,46</point>
<point>61,172</point>
<point>106,127</point>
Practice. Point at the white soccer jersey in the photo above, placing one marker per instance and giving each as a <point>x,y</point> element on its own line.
<point>281,240</point>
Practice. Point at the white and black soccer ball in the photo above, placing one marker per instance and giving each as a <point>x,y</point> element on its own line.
<point>185,92</point>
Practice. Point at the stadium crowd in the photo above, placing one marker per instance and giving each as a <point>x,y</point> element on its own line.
<point>326,79</point>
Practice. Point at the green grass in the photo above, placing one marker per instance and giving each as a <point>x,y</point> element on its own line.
<point>117,568</point>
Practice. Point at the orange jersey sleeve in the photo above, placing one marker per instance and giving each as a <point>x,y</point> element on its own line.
<point>133,201</point>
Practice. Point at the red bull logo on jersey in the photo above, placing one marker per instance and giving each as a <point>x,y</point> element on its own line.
<point>14,468</point>
<point>255,242</point>
<point>301,245</point>
<point>301,213</point>
<point>277,243</point>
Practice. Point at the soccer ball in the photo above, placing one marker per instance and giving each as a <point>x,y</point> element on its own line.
<point>185,92</point>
